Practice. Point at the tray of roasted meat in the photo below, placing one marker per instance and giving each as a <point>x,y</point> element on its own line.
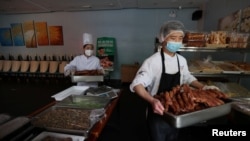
<point>185,106</point>
<point>87,76</point>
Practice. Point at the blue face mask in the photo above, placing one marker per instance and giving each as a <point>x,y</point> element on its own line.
<point>173,46</point>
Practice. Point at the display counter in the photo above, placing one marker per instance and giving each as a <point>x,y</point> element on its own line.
<point>97,128</point>
<point>29,131</point>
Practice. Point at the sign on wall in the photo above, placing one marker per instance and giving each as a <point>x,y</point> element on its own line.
<point>56,35</point>
<point>106,52</point>
<point>17,34</point>
<point>42,33</point>
<point>31,34</point>
<point>5,37</point>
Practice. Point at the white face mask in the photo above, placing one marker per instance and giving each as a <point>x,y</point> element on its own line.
<point>89,52</point>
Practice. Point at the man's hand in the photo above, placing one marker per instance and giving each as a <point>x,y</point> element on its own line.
<point>206,87</point>
<point>157,106</point>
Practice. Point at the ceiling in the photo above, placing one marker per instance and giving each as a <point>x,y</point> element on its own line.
<point>44,6</point>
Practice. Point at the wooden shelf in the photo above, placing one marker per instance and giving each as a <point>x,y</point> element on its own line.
<point>128,72</point>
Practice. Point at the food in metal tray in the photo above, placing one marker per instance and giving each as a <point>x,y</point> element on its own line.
<point>183,99</point>
<point>233,90</point>
<point>208,67</point>
<point>242,65</point>
<point>84,102</point>
<point>88,72</point>
<point>184,120</point>
<point>64,118</point>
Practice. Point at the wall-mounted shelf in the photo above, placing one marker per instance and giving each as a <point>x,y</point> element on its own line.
<point>210,49</point>
<point>220,75</point>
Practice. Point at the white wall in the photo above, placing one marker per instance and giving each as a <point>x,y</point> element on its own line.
<point>134,30</point>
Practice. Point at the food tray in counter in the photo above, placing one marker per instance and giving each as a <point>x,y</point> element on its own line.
<point>57,136</point>
<point>64,120</point>
<point>102,91</point>
<point>243,107</point>
<point>208,67</point>
<point>227,67</point>
<point>87,78</point>
<point>73,90</point>
<point>217,45</point>
<point>233,90</point>
<point>244,66</point>
<point>84,102</point>
<point>188,119</point>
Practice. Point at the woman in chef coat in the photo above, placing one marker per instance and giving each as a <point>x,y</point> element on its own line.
<point>161,72</point>
<point>86,61</point>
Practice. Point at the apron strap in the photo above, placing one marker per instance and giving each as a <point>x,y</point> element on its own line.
<point>163,59</point>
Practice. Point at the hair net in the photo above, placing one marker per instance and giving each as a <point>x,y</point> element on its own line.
<point>169,27</point>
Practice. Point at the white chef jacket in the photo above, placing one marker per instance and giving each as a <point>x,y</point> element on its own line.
<point>80,63</point>
<point>149,74</point>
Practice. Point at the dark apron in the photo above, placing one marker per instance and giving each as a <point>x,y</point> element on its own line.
<point>159,129</point>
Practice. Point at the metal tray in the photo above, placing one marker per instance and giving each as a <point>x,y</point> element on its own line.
<point>102,91</point>
<point>64,122</point>
<point>243,107</point>
<point>233,90</point>
<point>84,102</point>
<point>44,134</point>
<point>229,68</point>
<point>94,78</point>
<point>184,120</point>
<point>73,90</point>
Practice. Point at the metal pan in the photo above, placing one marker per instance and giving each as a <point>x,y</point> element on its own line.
<point>184,120</point>
<point>64,120</point>
<point>94,78</point>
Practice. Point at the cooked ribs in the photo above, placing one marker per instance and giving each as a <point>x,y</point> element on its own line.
<point>183,99</point>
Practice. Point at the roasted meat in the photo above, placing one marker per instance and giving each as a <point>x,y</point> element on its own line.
<point>183,99</point>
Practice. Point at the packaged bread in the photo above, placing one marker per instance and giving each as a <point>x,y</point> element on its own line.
<point>195,36</point>
<point>218,37</point>
<point>195,43</point>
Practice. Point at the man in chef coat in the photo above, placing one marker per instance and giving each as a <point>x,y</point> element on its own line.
<point>86,61</point>
<point>160,73</point>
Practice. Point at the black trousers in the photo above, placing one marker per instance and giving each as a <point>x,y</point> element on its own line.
<point>159,129</point>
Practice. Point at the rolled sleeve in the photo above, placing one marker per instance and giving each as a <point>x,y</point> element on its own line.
<point>142,77</point>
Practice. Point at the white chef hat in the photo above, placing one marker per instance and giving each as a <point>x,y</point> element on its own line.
<point>87,38</point>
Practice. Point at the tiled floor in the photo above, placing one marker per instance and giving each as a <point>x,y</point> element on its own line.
<point>20,97</point>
